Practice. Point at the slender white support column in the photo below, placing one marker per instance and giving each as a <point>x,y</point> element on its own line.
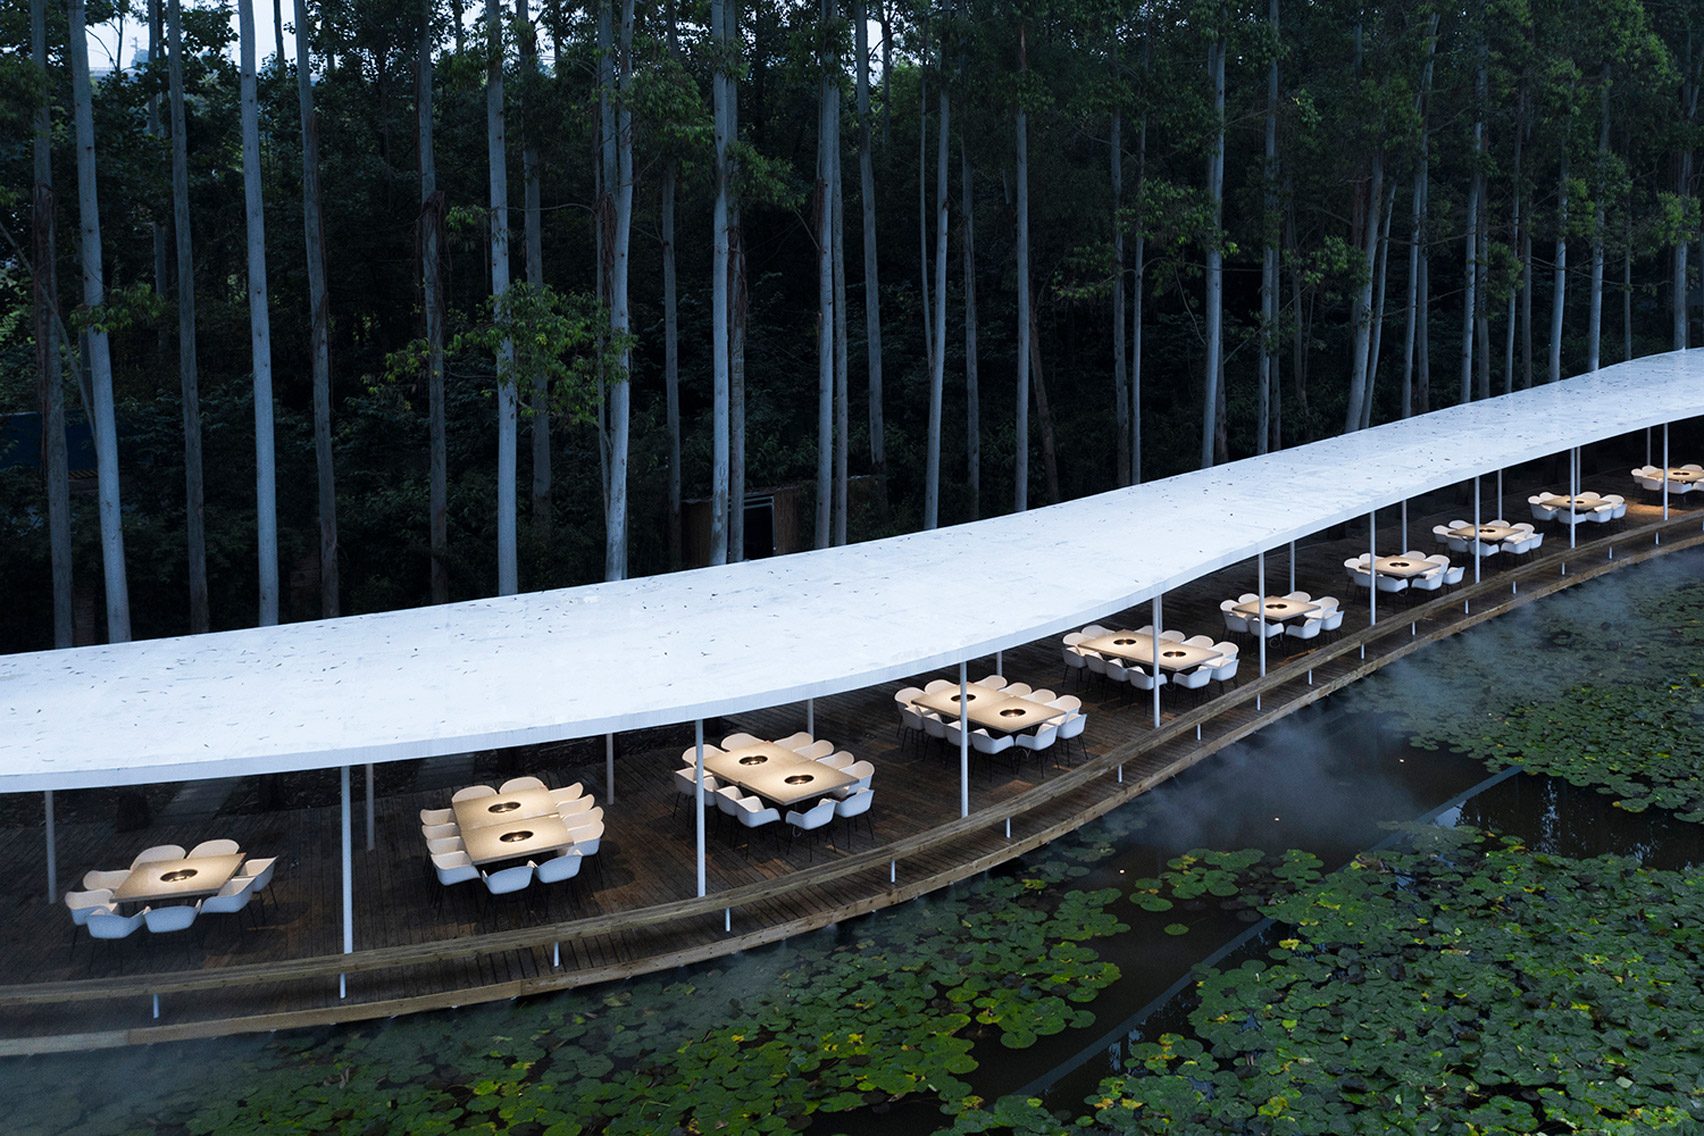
<point>52,849</point>
<point>369,806</point>
<point>1292,565</point>
<point>1665,476</point>
<point>999,662</point>
<point>1574,491</point>
<point>1155,616</point>
<point>1404,546</point>
<point>1477,545</point>
<point>964,739</point>
<point>609,767</point>
<point>1372,572</point>
<point>1260,608</point>
<point>1647,445</point>
<point>348,840</point>
<point>810,716</point>
<point>1499,491</point>
<point>698,796</point>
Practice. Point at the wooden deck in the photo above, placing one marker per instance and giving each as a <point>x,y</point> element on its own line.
<point>419,946</point>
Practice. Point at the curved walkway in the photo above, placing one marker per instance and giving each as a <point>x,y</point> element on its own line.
<point>47,1016</point>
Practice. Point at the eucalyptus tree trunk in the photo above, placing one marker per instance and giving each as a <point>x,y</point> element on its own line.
<point>278,34</point>
<point>842,391</point>
<point>319,318</point>
<point>195,525</point>
<point>1375,347</point>
<point>972,395</point>
<point>1120,392</point>
<point>938,352</point>
<point>1020,458</point>
<point>737,316</point>
<point>1044,415</point>
<point>1689,88</point>
<point>1594,325</point>
<point>156,130</point>
<point>1138,282</point>
<point>671,319</point>
<point>1558,294</point>
<point>532,236</point>
<point>925,306</point>
<point>1627,287</point>
<point>1476,191</point>
<point>872,290</point>
<point>1361,313</point>
<point>260,328</point>
<point>431,226</point>
<point>720,94</point>
<point>1215,255</point>
<point>1417,219</point>
<point>1423,321</point>
<point>620,402</point>
<point>45,300</point>
<point>1515,221</point>
<point>497,163</point>
<point>1481,317</point>
<point>1269,285</point>
<point>827,97</point>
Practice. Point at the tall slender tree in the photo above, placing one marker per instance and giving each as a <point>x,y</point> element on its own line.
<point>260,326</point>
<point>872,287</point>
<point>620,319</point>
<point>497,161</point>
<point>1475,194</point>
<point>972,391</point>
<point>319,317</point>
<point>532,239</point>
<point>1020,443</point>
<point>431,235</point>
<point>938,354</point>
<point>45,297</point>
<point>671,311</point>
<point>1270,220</point>
<point>1215,305</point>
<point>721,94</point>
<point>828,96</point>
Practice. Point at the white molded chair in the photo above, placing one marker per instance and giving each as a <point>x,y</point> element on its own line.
<point>1226,671</point>
<point>1017,689</point>
<point>508,881</point>
<point>1195,678</point>
<point>216,848</point>
<point>689,755</point>
<point>817,750</point>
<point>686,785</point>
<point>260,870</point>
<point>1234,623</point>
<point>992,682</point>
<point>437,816</point>
<point>158,853</point>
<point>1043,696</point>
<point>801,739</point>
<point>439,831</point>
<point>864,771</point>
<point>857,805</point>
<point>521,784</point>
<point>472,793</point>
<point>233,898</point>
<point>454,868</point>
<point>171,918</point>
<point>1198,641</point>
<point>82,904</point>
<point>1142,680</point>
<point>561,867</point>
<point>838,760</point>
<point>752,815</point>
<point>445,844</point>
<point>740,741</point>
<point>572,793</point>
<point>1307,627</point>
<point>95,879</point>
<point>819,815</point>
<point>111,925</point>
<point>936,685</point>
<point>579,805</point>
<point>1171,635</point>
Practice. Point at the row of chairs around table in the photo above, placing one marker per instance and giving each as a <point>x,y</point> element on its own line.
<point>748,809</point>
<point>1442,574</point>
<point>1651,478</point>
<point>94,909</point>
<point>1589,507</point>
<point>450,862</point>
<point>926,725</point>
<point>1528,539</point>
<point>1221,669</point>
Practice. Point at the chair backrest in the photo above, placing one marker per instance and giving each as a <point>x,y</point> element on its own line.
<point>1017,689</point>
<point>1454,574</point>
<point>1228,649</point>
<point>801,739</point>
<point>436,816</point>
<point>837,760</point>
<point>260,869</point>
<point>907,694</point>
<point>1302,596</point>
<point>445,844</point>
<point>687,783</point>
<point>577,790</point>
<point>1171,636</point>
<point>1392,584</point>
<point>1067,702</point>
<point>728,799</point>
<point>816,816</point>
<point>453,868</point>
<point>157,853</point>
<point>817,749</point>
<point>1043,696</point>
<point>1227,605</point>
<point>507,880</point>
<point>1072,638</point>
<point>176,917</point>
<point>862,770</point>
<point>1439,558</point>
<point>1234,623</point>
<point>82,903</point>
<point>752,813</point>
<point>1199,641</point>
<point>439,831</point>
<point>111,925</point>
<point>992,682</point>
<point>935,685</point>
<point>584,804</point>
<point>984,742</point>
<point>216,848</point>
<point>559,868</point>
<point>1247,597</point>
<point>1095,631</point>
<point>856,805</point>
<point>473,793</point>
<point>233,897</point>
<point>738,741</point>
<point>518,784</point>
<point>1227,669</point>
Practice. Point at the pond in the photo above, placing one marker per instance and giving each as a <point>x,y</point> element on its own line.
<point>1548,902</point>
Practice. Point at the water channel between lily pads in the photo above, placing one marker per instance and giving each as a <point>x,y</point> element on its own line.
<point>1621,654</point>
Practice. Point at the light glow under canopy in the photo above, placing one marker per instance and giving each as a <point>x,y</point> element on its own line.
<point>545,666</point>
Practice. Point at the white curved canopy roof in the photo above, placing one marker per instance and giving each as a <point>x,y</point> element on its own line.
<point>583,661</point>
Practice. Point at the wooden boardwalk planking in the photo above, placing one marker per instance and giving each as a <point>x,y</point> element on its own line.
<point>647,852</point>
